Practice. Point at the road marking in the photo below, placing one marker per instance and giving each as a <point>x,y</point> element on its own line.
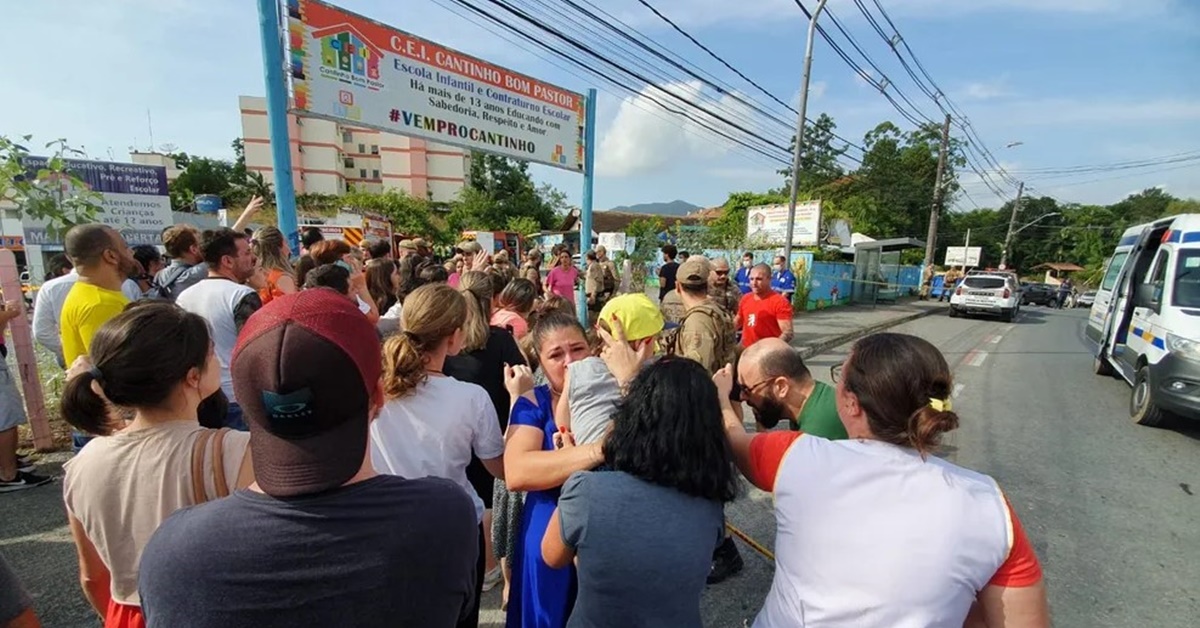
<point>996,339</point>
<point>957,389</point>
<point>977,358</point>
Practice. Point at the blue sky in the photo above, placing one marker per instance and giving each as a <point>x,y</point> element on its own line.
<point>1077,81</point>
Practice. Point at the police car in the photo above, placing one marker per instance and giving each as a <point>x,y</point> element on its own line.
<point>1145,321</point>
<point>995,294</point>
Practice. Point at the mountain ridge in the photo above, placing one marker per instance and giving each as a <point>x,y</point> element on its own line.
<point>672,208</point>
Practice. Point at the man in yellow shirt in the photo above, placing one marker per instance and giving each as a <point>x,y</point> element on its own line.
<point>103,261</point>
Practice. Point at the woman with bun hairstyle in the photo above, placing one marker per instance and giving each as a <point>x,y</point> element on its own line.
<point>875,531</point>
<point>431,424</point>
<point>156,359</point>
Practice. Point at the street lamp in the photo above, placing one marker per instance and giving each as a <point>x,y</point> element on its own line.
<point>1012,221</point>
<point>1036,220</point>
<point>808,51</point>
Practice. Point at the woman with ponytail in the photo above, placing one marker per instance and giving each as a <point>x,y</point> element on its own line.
<point>432,424</point>
<point>916,540</point>
<point>272,251</point>
<point>486,349</point>
<point>157,360</point>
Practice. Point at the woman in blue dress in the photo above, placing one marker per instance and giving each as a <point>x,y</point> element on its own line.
<point>538,461</point>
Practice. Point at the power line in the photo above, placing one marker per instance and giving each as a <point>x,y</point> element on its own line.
<point>733,69</point>
<point>776,157</point>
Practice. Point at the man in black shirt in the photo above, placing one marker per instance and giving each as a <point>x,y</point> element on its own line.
<point>666,274</point>
<point>320,539</point>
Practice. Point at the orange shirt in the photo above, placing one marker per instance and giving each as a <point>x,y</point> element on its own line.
<point>272,290</point>
<point>759,317</point>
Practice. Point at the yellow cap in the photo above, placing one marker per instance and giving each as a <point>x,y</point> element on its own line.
<point>639,316</point>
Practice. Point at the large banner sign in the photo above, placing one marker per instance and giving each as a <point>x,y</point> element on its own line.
<point>134,198</point>
<point>963,255</point>
<point>349,68</point>
<point>768,224</point>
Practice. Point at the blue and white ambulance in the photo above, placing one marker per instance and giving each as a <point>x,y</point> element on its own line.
<point>1146,318</point>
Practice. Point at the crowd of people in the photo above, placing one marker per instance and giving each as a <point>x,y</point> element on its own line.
<point>375,437</point>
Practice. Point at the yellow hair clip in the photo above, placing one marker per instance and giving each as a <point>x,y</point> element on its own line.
<point>941,405</point>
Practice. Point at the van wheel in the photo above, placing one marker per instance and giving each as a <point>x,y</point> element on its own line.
<point>953,312</point>
<point>1007,316</point>
<point>1141,402</point>
<point>1100,366</point>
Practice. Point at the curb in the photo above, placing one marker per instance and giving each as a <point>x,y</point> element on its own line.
<point>809,351</point>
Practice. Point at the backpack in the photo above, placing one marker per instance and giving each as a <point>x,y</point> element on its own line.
<point>166,290</point>
<point>610,279</point>
<point>726,348</point>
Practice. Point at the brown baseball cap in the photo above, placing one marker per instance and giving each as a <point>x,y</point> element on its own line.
<point>420,243</point>
<point>408,245</point>
<point>694,272</point>
<point>470,247</point>
<point>304,370</point>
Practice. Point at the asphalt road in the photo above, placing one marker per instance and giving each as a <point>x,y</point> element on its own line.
<point>1108,505</point>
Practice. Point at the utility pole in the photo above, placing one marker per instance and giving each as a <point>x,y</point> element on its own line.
<point>936,210</point>
<point>1012,225</point>
<point>796,150</point>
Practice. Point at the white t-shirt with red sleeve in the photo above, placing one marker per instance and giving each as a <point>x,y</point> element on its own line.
<point>873,535</point>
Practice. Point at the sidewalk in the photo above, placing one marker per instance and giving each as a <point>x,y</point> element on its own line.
<point>819,330</point>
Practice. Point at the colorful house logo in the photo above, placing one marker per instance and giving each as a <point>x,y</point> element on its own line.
<point>344,49</point>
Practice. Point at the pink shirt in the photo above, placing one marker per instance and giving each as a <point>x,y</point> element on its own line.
<point>562,282</point>
<point>508,319</point>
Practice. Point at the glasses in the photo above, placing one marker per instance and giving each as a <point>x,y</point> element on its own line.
<point>721,273</point>
<point>744,391</point>
<point>835,373</point>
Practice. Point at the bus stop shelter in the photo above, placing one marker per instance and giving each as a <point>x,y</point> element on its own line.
<point>877,271</point>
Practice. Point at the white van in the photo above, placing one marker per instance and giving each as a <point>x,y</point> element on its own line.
<point>1146,318</point>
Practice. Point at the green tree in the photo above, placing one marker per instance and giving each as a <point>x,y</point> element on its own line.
<point>500,188</point>
<point>729,229</point>
<point>53,192</point>
<point>203,175</point>
<point>819,164</point>
<point>408,214</point>
<point>524,225</point>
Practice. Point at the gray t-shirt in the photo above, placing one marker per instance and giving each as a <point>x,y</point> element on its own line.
<point>644,550</point>
<point>13,598</point>
<point>592,398</point>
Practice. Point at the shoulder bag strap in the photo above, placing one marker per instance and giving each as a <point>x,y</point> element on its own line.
<point>199,495</point>
<point>218,462</point>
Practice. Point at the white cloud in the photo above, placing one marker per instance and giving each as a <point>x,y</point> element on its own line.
<point>745,175</point>
<point>645,138</point>
<point>989,89</point>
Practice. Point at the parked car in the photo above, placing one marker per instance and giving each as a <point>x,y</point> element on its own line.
<point>1086,299</point>
<point>993,294</point>
<point>1040,294</point>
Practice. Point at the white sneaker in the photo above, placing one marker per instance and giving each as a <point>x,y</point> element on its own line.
<point>492,578</point>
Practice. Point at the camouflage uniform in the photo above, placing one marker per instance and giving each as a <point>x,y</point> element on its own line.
<point>672,307</point>
<point>726,297</point>
<point>705,335</point>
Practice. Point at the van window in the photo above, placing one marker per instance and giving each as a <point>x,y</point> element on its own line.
<point>1114,269</point>
<point>1187,279</point>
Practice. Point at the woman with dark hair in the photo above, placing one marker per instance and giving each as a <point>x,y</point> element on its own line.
<point>383,282</point>
<point>149,261</point>
<point>272,251</point>
<point>645,529</point>
<point>873,530</point>
<point>515,303</point>
<point>563,278</point>
<point>534,461</point>
<point>158,360</point>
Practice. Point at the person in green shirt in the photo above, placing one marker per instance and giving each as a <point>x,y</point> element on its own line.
<point>775,383</point>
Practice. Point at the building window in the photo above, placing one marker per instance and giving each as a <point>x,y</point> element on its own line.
<point>374,149</point>
<point>375,174</point>
<point>347,137</point>
<point>362,173</point>
<point>349,162</point>
<point>362,148</point>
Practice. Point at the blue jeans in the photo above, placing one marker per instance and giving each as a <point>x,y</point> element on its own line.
<point>234,419</point>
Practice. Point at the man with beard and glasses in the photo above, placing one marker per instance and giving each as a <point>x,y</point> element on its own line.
<point>775,383</point>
